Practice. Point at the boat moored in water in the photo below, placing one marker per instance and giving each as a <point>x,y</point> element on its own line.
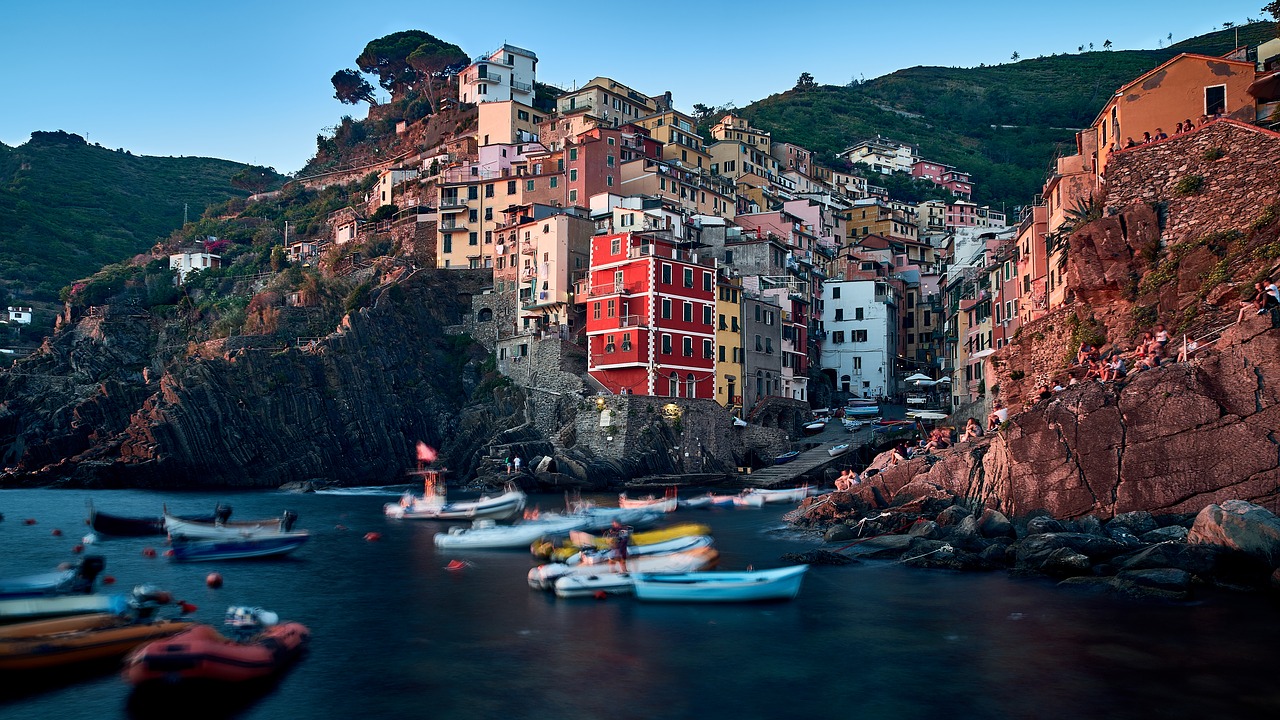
<point>755,497</point>
<point>78,579</point>
<point>544,577</point>
<point>234,548</point>
<point>434,507</point>
<point>259,647</point>
<point>121,526</point>
<point>720,586</point>
<point>667,503</point>
<point>222,529</point>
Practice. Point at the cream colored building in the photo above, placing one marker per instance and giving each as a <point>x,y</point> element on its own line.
<point>609,100</point>
<point>507,73</point>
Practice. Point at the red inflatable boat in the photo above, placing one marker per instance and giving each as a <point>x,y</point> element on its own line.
<point>259,649</point>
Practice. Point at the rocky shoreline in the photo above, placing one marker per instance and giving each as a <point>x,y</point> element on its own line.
<point>1233,546</point>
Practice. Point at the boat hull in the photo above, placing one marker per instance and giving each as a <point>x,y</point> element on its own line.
<point>838,450</point>
<point>51,644</point>
<point>664,505</point>
<point>23,609</point>
<point>670,545</point>
<point>544,577</point>
<point>121,526</point>
<point>719,587</point>
<point>502,537</point>
<point>238,548</point>
<point>61,582</point>
<point>191,530</point>
<point>202,654</point>
<point>577,586</point>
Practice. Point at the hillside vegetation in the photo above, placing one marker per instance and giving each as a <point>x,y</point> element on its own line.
<point>1005,124</point>
<point>67,208</point>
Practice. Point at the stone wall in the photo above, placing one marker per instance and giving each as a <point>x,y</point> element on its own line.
<point>548,375</point>
<point>1236,164</point>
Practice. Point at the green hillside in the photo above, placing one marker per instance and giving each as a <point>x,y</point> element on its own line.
<point>1004,124</point>
<point>68,208</point>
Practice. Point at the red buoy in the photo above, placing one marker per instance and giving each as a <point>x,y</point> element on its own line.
<point>108,579</point>
<point>186,607</point>
<point>77,549</point>
<point>600,595</point>
<point>148,552</point>
<point>56,532</point>
<point>373,536</point>
<point>168,553</point>
<point>29,521</point>
<point>214,580</point>
<point>455,565</point>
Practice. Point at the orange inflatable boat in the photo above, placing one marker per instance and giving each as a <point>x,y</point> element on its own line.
<point>258,648</point>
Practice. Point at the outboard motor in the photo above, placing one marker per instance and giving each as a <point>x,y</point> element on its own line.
<point>222,513</point>
<point>89,569</point>
<point>287,520</point>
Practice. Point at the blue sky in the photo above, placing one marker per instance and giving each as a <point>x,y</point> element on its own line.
<point>249,81</point>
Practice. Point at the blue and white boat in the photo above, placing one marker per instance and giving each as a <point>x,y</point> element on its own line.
<point>750,586</point>
<point>78,579</point>
<point>33,608</point>
<point>238,548</point>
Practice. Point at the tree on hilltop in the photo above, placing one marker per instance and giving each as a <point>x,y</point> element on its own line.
<point>388,57</point>
<point>430,60</point>
<point>805,82</point>
<point>1273,8</point>
<point>350,87</point>
<point>255,178</point>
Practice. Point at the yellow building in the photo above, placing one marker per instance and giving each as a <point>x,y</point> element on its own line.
<point>504,123</point>
<point>729,371</point>
<point>732,127</point>
<point>609,100</point>
<point>678,135</point>
<point>876,217</point>
<point>698,192</point>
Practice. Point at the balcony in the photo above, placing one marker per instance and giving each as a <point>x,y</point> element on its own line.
<point>578,103</point>
<point>616,288</point>
<point>475,77</point>
<point>521,87</point>
<point>452,205</point>
<point>528,248</point>
<point>631,321</point>
<point>452,227</point>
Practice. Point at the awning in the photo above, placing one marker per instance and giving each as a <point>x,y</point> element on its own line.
<point>983,353</point>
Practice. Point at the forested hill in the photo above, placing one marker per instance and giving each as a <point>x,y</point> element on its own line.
<point>67,208</point>
<point>1004,124</point>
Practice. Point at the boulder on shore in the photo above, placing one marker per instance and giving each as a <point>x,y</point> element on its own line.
<point>1239,525</point>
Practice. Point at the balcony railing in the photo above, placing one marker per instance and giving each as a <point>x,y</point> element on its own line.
<point>615,288</point>
<point>522,87</point>
<point>475,77</point>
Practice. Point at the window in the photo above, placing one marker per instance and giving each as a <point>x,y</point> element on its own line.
<point>857,314</point>
<point>473,215</point>
<point>688,277</point>
<point>857,362</point>
<point>626,342</point>
<point>759,345</point>
<point>721,358</point>
<point>666,344</point>
<point>839,313</point>
<point>837,337</point>
<point>488,213</point>
<point>612,308</point>
<point>595,311</point>
<point>529,185</point>
<point>691,387</point>
<point>706,315</point>
<point>835,293</point>
<point>553,182</point>
<point>474,239</point>
<point>522,115</point>
<point>573,174</point>
<point>666,308</point>
<point>688,312</point>
<point>608,180</point>
<point>911,338</point>
<point>488,190</point>
<point>611,141</point>
<point>615,246</point>
<point>608,160</point>
<point>688,347</point>
<point>768,346</point>
<point>706,281</point>
<point>722,325</point>
<point>573,196</point>
<point>728,257</point>
<point>858,335</point>
<point>674,385</point>
<point>511,187</point>
<point>927,321</point>
<point>1215,100</point>
<point>609,346</point>
<point>448,243</point>
<point>573,154</point>
<point>666,274</point>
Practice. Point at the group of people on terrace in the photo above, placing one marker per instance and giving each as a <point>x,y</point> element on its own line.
<point>1149,352</point>
<point>1183,127</point>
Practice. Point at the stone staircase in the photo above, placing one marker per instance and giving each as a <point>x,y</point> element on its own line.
<point>817,458</point>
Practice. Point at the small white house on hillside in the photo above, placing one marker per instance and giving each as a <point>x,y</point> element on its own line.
<point>191,260</point>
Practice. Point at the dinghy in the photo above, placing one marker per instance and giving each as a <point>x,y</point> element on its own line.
<point>815,427</point>
<point>665,504</point>
<point>258,648</point>
<point>273,545</point>
<point>33,608</point>
<point>488,535</point>
<point>122,526</point>
<point>544,577</point>
<point>756,497</point>
<point>838,449</point>
<point>862,411</point>
<point>750,586</point>
<point>594,585</point>
<point>578,541</point>
<point>434,507</point>
<point>786,457</point>
<point>223,530</point>
<point>664,547</point>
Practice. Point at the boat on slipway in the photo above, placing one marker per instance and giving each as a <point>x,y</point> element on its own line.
<point>544,577</point>
<point>786,457</point>
<point>696,586</point>
<point>259,647</point>
<point>838,450</point>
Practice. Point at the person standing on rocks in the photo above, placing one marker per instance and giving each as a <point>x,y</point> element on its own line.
<point>516,462</point>
<point>508,464</point>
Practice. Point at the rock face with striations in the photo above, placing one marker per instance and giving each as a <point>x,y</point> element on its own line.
<point>96,407</point>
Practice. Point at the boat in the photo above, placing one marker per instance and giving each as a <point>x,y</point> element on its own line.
<point>761,496</point>
<point>597,556</point>
<point>594,585</point>
<point>696,586</point>
<point>786,457</point>
<point>578,540</point>
<point>544,577</point>
<point>723,500</point>
<point>222,529</point>
<point>122,526</point>
<point>33,608</point>
<point>862,411</point>
<point>815,427</point>
<point>666,504</point>
<point>259,647</point>
<point>700,501</point>
<point>840,449</point>
<point>238,548</point>
<point>78,579</point>
<point>434,507</point>
<point>488,535</point>
<point>46,644</point>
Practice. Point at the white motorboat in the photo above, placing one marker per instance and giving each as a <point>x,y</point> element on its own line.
<point>488,535</point>
<point>695,586</point>
<point>594,585</point>
<point>755,497</point>
<point>434,507</point>
<point>545,576</point>
<point>22,609</point>
<point>665,547</point>
<point>838,449</point>
<point>862,411</point>
<point>701,501</point>
<point>223,530</point>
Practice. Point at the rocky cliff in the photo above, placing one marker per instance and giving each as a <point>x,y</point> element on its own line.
<point>106,402</point>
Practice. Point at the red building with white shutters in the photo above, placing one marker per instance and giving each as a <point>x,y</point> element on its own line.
<point>650,306</point>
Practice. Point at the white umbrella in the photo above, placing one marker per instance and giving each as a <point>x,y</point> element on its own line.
<point>917,376</point>
<point>926,383</point>
<point>946,380</point>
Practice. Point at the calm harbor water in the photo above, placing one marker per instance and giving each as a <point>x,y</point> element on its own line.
<point>396,635</point>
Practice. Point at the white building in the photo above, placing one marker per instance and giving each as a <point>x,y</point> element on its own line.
<point>507,73</point>
<point>20,315</point>
<point>389,179</point>
<point>189,261</point>
<point>884,156</point>
<point>861,321</point>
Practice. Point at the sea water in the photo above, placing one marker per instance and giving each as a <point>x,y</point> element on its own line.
<point>396,634</point>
